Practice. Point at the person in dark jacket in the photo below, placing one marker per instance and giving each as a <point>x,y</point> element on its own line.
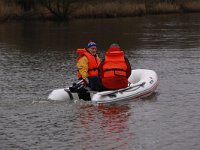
<point>115,69</point>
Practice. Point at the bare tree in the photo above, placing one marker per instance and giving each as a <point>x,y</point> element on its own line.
<point>59,8</point>
<point>26,5</point>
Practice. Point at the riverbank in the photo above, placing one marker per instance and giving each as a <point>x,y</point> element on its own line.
<point>95,9</point>
<point>123,9</point>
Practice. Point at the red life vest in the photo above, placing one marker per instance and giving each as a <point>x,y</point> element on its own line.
<point>93,62</point>
<point>113,71</point>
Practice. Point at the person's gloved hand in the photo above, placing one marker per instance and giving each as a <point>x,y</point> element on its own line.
<point>86,81</point>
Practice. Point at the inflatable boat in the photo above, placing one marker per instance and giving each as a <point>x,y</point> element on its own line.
<point>142,83</point>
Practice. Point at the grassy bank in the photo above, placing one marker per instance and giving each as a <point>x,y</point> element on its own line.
<point>11,10</point>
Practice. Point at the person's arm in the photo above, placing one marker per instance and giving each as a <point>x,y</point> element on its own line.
<point>101,69</point>
<point>128,67</point>
<point>82,66</point>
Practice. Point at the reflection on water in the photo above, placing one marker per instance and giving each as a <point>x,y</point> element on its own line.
<point>37,57</point>
<point>110,122</point>
<point>162,31</point>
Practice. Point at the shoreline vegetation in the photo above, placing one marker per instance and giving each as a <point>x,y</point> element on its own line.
<point>63,10</point>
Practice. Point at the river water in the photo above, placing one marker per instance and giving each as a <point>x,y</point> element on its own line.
<point>37,57</point>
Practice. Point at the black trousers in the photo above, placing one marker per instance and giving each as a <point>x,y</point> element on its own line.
<point>85,96</point>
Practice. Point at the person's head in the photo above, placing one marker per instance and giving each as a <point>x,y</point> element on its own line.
<point>114,47</point>
<point>92,48</point>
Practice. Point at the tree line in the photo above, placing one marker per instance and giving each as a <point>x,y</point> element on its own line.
<point>60,9</point>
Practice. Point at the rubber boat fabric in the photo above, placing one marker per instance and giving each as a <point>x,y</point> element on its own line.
<point>142,83</point>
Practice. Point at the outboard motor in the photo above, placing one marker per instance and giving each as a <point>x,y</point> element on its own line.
<point>78,87</point>
<point>81,89</point>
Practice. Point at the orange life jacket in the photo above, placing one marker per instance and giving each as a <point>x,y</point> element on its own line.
<point>114,64</point>
<point>114,69</point>
<point>93,62</point>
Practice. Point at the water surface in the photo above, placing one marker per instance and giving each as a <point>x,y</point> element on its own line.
<point>37,57</point>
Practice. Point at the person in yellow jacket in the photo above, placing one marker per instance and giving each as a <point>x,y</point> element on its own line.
<point>88,65</point>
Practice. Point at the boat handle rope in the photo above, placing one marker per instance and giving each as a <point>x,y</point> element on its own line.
<point>128,89</point>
